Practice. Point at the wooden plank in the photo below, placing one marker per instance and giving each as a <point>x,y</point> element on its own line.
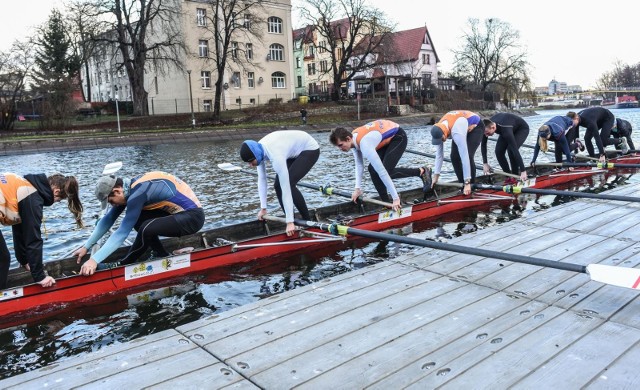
<point>343,338</point>
<point>543,217</point>
<point>584,220</point>
<point>586,358</point>
<point>215,376</point>
<point>321,323</point>
<point>622,374</point>
<point>509,356</point>
<point>431,360</point>
<point>496,312</point>
<point>521,350</point>
<point>324,289</point>
<point>629,316</point>
<point>622,226</point>
<point>107,361</point>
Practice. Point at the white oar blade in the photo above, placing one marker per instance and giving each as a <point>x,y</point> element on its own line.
<point>112,168</point>
<point>229,167</point>
<point>616,276</point>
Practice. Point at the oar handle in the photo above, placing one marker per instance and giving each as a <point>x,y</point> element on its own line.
<point>478,166</point>
<point>540,191</point>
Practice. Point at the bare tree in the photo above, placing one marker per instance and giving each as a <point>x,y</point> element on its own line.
<point>232,25</point>
<point>352,31</point>
<point>622,76</point>
<point>148,34</point>
<point>15,66</point>
<point>491,54</point>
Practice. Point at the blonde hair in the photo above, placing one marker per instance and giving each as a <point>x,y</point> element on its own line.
<point>68,186</point>
<point>544,145</point>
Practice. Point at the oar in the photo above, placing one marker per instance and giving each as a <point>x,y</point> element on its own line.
<point>527,190</point>
<point>325,190</point>
<point>590,165</point>
<point>478,166</point>
<point>613,275</point>
<point>551,150</point>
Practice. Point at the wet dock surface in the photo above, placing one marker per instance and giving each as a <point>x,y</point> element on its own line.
<point>423,320</point>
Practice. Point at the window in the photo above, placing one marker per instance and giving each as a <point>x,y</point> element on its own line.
<point>299,81</point>
<point>311,68</point>
<point>203,48</point>
<point>276,51</point>
<point>247,21</point>
<point>205,76</point>
<point>251,80</point>
<point>323,66</point>
<point>201,16</point>
<point>236,80</point>
<point>234,50</point>
<point>324,86</point>
<point>206,105</point>
<point>322,47</point>
<point>274,25</point>
<point>249,51</point>
<point>298,62</point>
<point>426,58</point>
<point>312,88</point>
<point>277,80</point>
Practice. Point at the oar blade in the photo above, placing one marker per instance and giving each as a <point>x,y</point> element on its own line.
<point>112,168</point>
<point>229,167</point>
<point>616,276</point>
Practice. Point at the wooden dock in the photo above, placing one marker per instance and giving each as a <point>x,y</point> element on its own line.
<point>420,321</point>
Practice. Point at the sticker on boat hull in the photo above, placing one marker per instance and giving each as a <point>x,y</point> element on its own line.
<point>530,182</point>
<point>155,267</point>
<point>391,215</point>
<point>5,295</point>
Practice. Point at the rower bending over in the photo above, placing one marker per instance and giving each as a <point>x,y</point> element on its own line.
<point>292,154</point>
<point>512,131</point>
<point>156,204</point>
<point>556,129</point>
<point>382,142</point>
<point>465,129</point>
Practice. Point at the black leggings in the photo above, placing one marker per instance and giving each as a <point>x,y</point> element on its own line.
<point>513,166</point>
<point>298,168</point>
<point>154,223</point>
<point>5,262</point>
<point>390,155</point>
<point>474,138</point>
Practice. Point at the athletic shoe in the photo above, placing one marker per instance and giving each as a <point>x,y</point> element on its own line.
<point>426,179</point>
<point>624,145</point>
<point>580,145</point>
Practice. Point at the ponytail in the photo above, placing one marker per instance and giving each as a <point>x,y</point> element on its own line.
<point>544,145</point>
<point>68,186</point>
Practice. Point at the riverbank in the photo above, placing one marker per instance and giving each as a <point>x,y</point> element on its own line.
<point>29,142</point>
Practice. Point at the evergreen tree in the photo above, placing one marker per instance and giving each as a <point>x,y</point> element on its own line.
<point>55,69</point>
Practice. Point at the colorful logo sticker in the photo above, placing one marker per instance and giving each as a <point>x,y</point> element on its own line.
<point>5,295</point>
<point>155,267</point>
<point>391,215</point>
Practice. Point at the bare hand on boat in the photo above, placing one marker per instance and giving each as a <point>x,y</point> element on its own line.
<point>47,282</point>
<point>356,194</point>
<point>261,214</point>
<point>467,189</point>
<point>436,176</point>
<point>88,268</point>
<point>603,158</point>
<point>80,253</point>
<point>291,228</point>
<point>486,168</point>
<point>523,175</point>
<point>396,205</point>
<point>27,267</point>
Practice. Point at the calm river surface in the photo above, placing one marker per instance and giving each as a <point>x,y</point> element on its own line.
<point>227,198</point>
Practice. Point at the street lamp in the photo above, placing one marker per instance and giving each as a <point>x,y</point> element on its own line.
<point>193,118</point>
<point>117,109</point>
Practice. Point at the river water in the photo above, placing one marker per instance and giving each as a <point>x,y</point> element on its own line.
<point>227,198</point>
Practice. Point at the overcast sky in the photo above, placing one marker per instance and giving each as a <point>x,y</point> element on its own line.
<point>566,39</point>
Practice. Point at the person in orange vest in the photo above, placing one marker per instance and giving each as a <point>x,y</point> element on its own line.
<point>22,200</point>
<point>382,142</point>
<point>156,203</point>
<point>466,129</point>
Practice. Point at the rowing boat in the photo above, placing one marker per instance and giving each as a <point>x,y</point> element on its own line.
<point>245,242</point>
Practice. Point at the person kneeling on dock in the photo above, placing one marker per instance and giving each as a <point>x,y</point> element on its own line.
<point>382,142</point>
<point>292,153</point>
<point>22,200</point>
<point>156,203</point>
<point>466,130</point>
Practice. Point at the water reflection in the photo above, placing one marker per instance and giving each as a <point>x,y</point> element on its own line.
<point>227,198</point>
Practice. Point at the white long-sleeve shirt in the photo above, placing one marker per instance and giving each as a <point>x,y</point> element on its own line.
<point>280,146</point>
<point>459,132</point>
<point>367,148</point>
